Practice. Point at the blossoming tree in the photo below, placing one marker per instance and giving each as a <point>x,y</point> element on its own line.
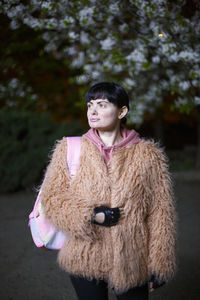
<point>151,47</point>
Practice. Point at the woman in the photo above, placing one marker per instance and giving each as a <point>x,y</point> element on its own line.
<point>118,209</point>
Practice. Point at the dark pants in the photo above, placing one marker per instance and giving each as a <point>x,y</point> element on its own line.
<point>98,290</point>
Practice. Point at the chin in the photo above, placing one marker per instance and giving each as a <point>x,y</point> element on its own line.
<point>99,127</point>
<point>95,126</point>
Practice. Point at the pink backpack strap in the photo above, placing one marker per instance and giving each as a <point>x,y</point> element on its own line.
<point>73,153</point>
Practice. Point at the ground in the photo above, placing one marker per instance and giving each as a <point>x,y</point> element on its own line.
<point>28,273</point>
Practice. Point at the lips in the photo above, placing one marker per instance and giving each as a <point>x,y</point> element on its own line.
<point>94,120</point>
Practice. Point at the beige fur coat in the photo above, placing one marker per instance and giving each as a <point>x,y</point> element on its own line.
<point>135,179</point>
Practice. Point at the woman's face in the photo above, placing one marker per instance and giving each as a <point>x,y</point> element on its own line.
<point>103,115</point>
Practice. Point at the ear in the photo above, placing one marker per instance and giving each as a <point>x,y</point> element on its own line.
<point>123,112</point>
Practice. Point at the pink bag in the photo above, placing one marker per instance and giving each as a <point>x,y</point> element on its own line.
<point>44,234</point>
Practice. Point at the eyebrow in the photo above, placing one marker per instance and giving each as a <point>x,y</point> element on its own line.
<point>99,101</point>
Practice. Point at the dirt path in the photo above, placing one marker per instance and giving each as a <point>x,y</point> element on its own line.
<point>28,273</point>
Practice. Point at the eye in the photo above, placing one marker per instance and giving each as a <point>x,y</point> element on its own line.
<point>88,105</point>
<point>103,105</point>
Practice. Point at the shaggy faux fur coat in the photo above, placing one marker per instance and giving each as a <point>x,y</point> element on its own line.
<point>135,179</point>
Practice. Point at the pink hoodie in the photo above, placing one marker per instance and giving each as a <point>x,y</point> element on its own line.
<point>130,137</point>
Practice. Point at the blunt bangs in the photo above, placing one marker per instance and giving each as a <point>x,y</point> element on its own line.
<point>111,91</point>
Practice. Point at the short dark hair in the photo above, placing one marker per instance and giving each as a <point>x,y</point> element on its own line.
<point>112,91</point>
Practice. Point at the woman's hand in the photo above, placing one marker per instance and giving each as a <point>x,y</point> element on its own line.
<point>106,216</point>
<point>151,289</point>
<point>154,283</point>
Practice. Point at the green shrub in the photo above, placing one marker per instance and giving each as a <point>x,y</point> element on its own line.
<point>181,160</point>
<point>26,139</point>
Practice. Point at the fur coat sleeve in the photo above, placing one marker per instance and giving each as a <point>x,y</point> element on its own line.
<point>57,200</point>
<point>161,218</point>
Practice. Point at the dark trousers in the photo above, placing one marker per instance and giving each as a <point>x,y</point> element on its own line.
<point>98,290</point>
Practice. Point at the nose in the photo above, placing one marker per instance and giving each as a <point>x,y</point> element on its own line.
<point>93,111</point>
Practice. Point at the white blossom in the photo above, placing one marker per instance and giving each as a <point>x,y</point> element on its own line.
<point>51,46</point>
<point>95,75</point>
<point>74,36</point>
<point>129,83</point>
<point>156,59</point>
<point>180,102</point>
<point>117,68</point>
<point>188,55</point>
<point>164,84</point>
<point>88,68</point>
<point>32,22</point>
<point>196,83</point>
<point>197,100</point>
<point>86,14</point>
<point>184,85</point>
<point>45,4</point>
<point>114,8</point>
<point>79,60</point>
<point>84,38</point>
<point>174,57</point>
<point>14,24</point>
<point>70,50</point>
<point>136,56</point>
<point>14,82</point>
<point>46,36</point>
<point>82,79</point>
<point>123,27</point>
<point>68,19</point>
<point>107,44</point>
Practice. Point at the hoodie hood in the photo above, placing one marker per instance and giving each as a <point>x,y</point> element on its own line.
<point>130,137</point>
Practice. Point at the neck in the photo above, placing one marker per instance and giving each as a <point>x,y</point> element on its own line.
<point>110,138</point>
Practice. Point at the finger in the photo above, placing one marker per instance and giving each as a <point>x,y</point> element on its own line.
<point>151,286</point>
<point>100,217</point>
<point>121,212</point>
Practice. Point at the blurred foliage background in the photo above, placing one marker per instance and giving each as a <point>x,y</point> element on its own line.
<point>26,139</point>
<point>52,51</point>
